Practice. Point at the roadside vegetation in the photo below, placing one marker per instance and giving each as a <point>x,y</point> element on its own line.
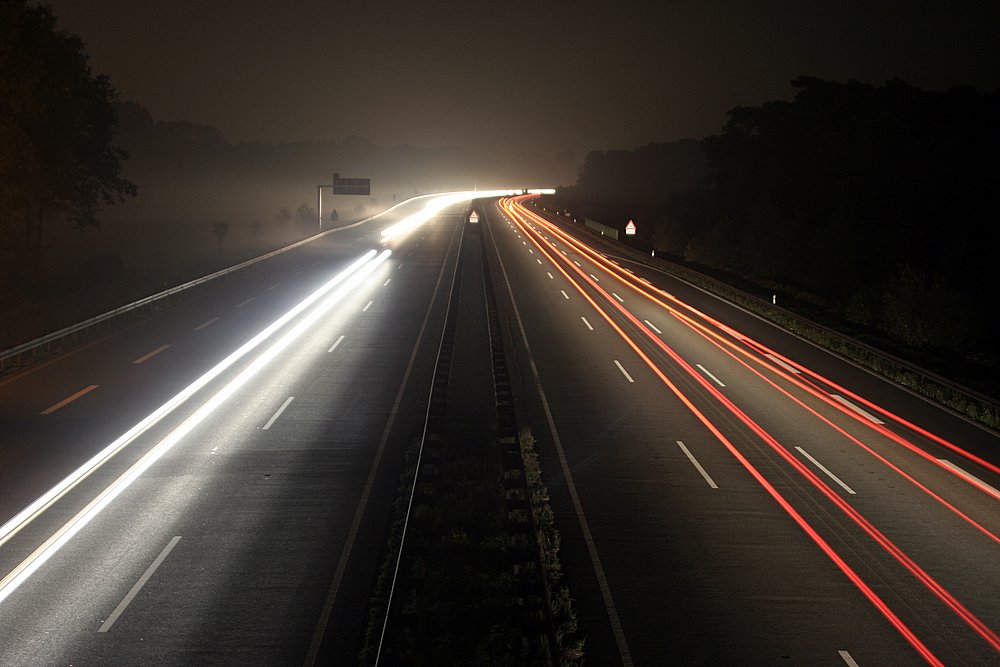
<point>866,209</point>
<point>480,581</point>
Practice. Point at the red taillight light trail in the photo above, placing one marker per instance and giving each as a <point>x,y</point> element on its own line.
<point>970,619</point>
<point>643,288</point>
<point>904,422</point>
<point>736,352</point>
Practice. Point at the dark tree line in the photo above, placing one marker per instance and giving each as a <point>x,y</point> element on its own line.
<point>191,171</point>
<point>57,124</point>
<point>145,137</point>
<point>880,201</point>
<point>643,177</point>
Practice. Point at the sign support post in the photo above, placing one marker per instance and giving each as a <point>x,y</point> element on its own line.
<point>342,186</point>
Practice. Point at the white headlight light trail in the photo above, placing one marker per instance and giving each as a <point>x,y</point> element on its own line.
<point>348,280</point>
<point>39,505</point>
<point>435,206</point>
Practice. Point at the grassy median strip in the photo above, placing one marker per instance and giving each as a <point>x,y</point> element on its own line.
<point>480,580</point>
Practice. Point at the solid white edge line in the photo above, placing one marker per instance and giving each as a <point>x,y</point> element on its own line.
<point>581,517</point>
<point>709,374</point>
<point>969,476</point>
<point>40,504</point>
<point>319,631</point>
<point>861,411</point>
<point>694,462</point>
<point>847,658</point>
<point>139,584</point>
<point>277,414</point>
<point>825,470</point>
<point>348,279</point>
<point>624,372</point>
<point>586,322</point>
<point>335,344</point>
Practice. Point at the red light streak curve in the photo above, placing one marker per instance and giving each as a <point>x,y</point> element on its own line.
<point>645,289</point>
<point>970,619</point>
<point>730,348</point>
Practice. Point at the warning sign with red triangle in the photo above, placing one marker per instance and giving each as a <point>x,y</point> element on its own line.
<point>630,228</point>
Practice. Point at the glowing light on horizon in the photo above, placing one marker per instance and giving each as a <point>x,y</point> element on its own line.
<point>443,201</point>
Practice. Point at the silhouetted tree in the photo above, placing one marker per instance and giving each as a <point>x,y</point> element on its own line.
<point>57,160</point>
<point>642,178</point>
<point>876,201</point>
<point>219,231</point>
<point>283,216</point>
<point>187,138</point>
<point>305,214</point>
<point>882,176</point>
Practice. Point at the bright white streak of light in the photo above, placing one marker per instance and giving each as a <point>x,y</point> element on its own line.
<point>435,206</point>
<point>25,516</point>
<point>51,546</point>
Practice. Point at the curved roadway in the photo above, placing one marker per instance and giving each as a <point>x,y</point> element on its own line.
<point>731,495</point>
<point>253,537</point>
<point>726,493</point>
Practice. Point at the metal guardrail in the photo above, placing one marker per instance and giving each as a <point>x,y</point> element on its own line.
<point>924,382</point>
<point>31,351</point>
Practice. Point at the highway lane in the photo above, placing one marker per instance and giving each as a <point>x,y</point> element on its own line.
<point>905,404</point>
<point>233,546</point>
<point>129,383</point>
<point>620,424</point>
<point>239,526</point>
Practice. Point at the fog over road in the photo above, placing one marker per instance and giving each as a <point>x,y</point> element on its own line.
<point>726,493</point>
<point>260,528</point>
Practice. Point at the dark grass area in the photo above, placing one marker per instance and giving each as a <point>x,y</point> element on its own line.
<point>84,275</point>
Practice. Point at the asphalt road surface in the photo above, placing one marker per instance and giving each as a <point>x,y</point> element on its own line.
<point>726,493</point>
<point>253,534</point>
<point>721,503</point>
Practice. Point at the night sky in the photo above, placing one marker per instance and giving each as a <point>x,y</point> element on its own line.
<point>539,76</point>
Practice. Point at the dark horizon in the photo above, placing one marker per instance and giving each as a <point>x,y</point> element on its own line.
<point>564,79</point>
